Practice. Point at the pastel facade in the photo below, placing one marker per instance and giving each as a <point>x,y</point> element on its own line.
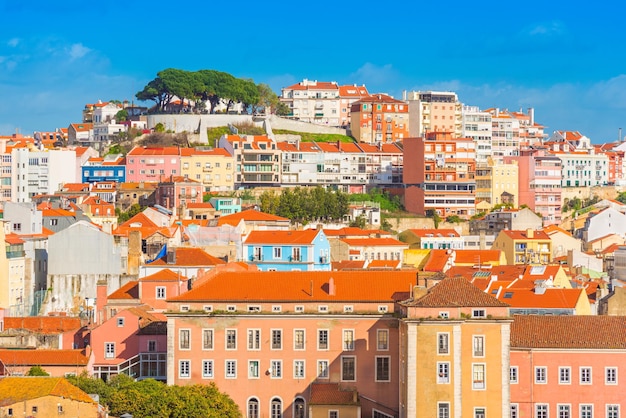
<point>256,159</point>
<point>477,125</point>
<point>432,238</point>
<point>434,111</point>
<point>497,184</point>
<point>314,102</point>
<point>379,118</point>
<point>439,174</point>
<point>109,168</point>
<point>147,164</point>
<point>175,192</point>
<point>301,328</point>
<point>214,168</point>
<point>306,250</point>
<point>524,247</point>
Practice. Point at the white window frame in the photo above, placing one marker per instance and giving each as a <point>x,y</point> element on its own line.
<point>348,340</point>
<point>480,412</point>
<point>319,334</point>
<point>227,332</point>
<point>443,372</point>
<point>608,379</point>
<point>612,411</point>
<point>181,331</point>
<point>277,308</point>
<point>568,380</point>
<point>208,364</point>
<point>322,309</point>
<point>584,379</point>
<point>181,369</point>
<point>276,369</point>
<point>160,292</point>
<point>544,408</point>
<point>253,339</point>
<point>443,409</point>
<point>443,349</point>
<point>478,313</point>
<point>277,253</point>
<point>342,368</point>
<point>227,366</point>
<point>585,410</point>
<point>251,370</point>
<point>514,410</point>
<point>476,384</point>
<point>513,375</point>
<point>295,339</point>
<point>326,373</point>
<point>109,350</point>
<point>543,379</point>
<point>348,308</point>
<point>478,346</point>
<point>120,321</point>
<point>563,410</point>
<point>280,342</point>
<point>299,369</point>
<point>299,308</point>
<point>385,346</point>
<point>205,332</point>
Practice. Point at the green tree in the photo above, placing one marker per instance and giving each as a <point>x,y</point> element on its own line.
<point>359,222</point>
<point>282,109</point>
<point>37,371</point>
<point>431,213</point>
<point>268,100</point>
<point>121,116</point>
<point>132,211</point>
<point>156,91</point>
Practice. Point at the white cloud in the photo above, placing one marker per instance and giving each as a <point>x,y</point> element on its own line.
<point>374,76</point>
<point>78,51</point>
<point>13,42</point>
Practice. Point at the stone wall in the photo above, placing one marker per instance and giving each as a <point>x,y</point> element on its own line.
<point>293,125</point>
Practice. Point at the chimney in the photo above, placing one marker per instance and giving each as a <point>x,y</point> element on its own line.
<point>531,115</point>
<point>331,287</point>
<point>101,301</point>
<point>134,251</point>
<point>171,256</point>
<point>530,233</point>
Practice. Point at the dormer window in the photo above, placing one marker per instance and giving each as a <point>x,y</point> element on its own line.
<point>478,313</point>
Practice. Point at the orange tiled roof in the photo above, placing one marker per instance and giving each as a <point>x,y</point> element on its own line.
<point>13,239</point>
<point>435,232</point>
<point>456,291</point>
<point>199,205</point>
<point>332,394</point>
<point>373,242</point>
<point>165,275</point>
<point>43,357</point>
<point>306,236</point>
<point>569,331</point>
<point>43,324</point>
<point>348,264</point>
<point>523,235</point>
<point>380,264</point>
<point>20,389</point>
<point>363,285</point>
<point>553,298</point>
<point>249,215</point>
<point>353,231</point>
<point>190,256</point>
<point>129,291</point>
<point>137,151</point>
<point>551,229</point>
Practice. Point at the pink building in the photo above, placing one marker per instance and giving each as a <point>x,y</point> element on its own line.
<point>540,183</point>
<point>175,192</point>
<point>145,164</point>
<point>567,366</point>
<point>266,337</point>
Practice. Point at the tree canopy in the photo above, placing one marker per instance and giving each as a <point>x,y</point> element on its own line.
<point>207,86</point>
<point>304,205</point>
<point>149,398</point>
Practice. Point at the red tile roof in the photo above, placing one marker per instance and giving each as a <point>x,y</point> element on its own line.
<point>129,291</point>
<point>189,256</point>
<point>296,286</point>
<point>553,298</point>
<point>455,291</point>
<point>523,235</point>
<point>249,215</point>
<point>43,357</point>
<point>138,151</point>
<point>348,264</point>
<point>165,275</point>
<point>43,324</point>
<point>569,331</point>
<point>20,389</point>
<point>435,232</point>
<point>373,242</point>
<point>306,236</point>
<point>332,394</point>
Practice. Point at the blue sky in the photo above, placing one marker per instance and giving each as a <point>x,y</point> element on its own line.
<point>567,62</point>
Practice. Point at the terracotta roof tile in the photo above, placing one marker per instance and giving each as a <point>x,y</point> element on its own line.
<point>249,215</point>
<point>455,291</point>
<point>190,256</point>
<point>435,232</point>
<point>165,275</point>
<point>332,394</point>
<point>20,389</point>
<point>569,331</point>
<point>306,236</point>
<point>296,286</point>
<point>129,291</point>
<point>43,357</point>
<point>373,242</point>
<point>43,324</point>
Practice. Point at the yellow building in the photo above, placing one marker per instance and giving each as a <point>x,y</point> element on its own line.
<point>454,345</point>
<point>44,397</point>
<point>524,247</point>
<point>214,168</point>
<point>497,183</point>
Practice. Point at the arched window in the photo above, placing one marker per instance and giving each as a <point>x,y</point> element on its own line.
<point>253,408</point>
<point>276,410</point>
<point>299,410</point>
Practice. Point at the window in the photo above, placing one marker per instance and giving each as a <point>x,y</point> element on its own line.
<point>322,369</point>
<point>298,339</point>
<point>160,292</point>
<point>184,368</point>
<point>254,308</point>
<point>348,368</point>
<point>513,374</point>
<point>610,374</point>
<point>563,411</point>
<point>382,339</point>
<point>333,413</point>
<point>443,410</point>
<point>322,308</point>
<point>184,342</point>
<point>299,409</point>
<point>10,412</point>
<point>276,409</point>
<point>231,369</point>
<point>276,369</point>
<point>382,309</point>
<point>444,315</point>
<point>253,369</point>
<point>277,308</point>
<point>322,339</point>
<point>207,339</point>
<point>479,346</point>
<point>120,322</point>
<point>541,375</point>
<point>231,339</point>
<point>348,340</point>
<point>443,372</point>
<point>478,313</point>
<point>278,252</point>
<point>152,346</point>
<point>231,308</point>
<point>299,308</point>
<point>253,408</point>
<point>442,343</point>
<point>541,411</point>
<point>382,369</point>
<point>298,369</point>
<point>109,350</point>
<point>207,369</point>
<point>478,376</point>
<point>34,410</point>
<point>348,308</point>
<point>254,339</point>
<point>277,339</point>
<point>378,414</point>
<point>585,375</point>
<point>612,411</point>
<point>60,409</point>
<point>514,411</point>
<point>586,411</point>
<point>565,375</point>
<point>479,412</point>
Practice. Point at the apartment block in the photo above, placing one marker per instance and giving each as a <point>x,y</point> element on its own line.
<point>379,118</point>
<point>214,168</point>
<point>256,160</point>
<point>476,124</point>
<point>496,184</point>
<point>439,174</point>
<point>434,111</point>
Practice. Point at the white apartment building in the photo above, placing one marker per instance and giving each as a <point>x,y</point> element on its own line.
<point>35,172</point>
<point>313,101</point>
<point>581,165</point>
<point>505,129</point>
<point>476,124</point>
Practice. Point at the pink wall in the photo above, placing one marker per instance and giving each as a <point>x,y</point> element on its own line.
<point>125,338</point>
<point>526,393</point>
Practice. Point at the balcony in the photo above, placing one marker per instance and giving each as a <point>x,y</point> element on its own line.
<point>207,169</point>
<point>323,259</point>
<point>257,257</point>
